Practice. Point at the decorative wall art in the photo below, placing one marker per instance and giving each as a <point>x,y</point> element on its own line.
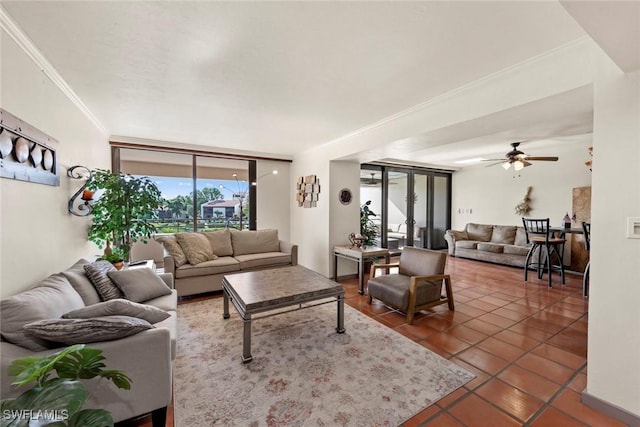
<point>524,207</point>
<point>345,196</point>
<point>308,191</point>
<point>26,153</point>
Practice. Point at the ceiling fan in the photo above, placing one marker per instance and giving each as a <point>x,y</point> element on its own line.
<point>373,181</point>
<point>519,159</point>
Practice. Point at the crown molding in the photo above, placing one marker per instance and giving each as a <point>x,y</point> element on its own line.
<point>29,48</point>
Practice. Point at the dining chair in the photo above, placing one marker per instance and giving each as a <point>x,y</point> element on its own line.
<point>543,240</point>
<point>417,285</point>
<point>586,229</point>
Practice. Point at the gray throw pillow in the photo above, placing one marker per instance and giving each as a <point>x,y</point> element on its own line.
<point>119,307</point>
<point>79,331</point>
<point>139,284</point>
<point>81,283</point>
<point>97,273</point>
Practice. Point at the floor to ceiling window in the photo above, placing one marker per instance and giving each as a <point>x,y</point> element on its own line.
<point>413,206</point>
<point>200,193</point>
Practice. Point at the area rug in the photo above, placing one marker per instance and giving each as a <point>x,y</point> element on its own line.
<point>303,373</point>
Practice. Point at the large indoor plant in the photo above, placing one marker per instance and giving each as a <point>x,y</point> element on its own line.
<point>124,208</point>
<point>58,401</point>
<point>368,228</point>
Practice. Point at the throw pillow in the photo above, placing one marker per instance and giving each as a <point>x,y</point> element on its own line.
<point>140,284</point>
<point>119,307</point>
<point>220,242</point>
<point>196,247</point>
<point>173,248</point>
<point>51,298</point>
<point>81,283</point>
<point>97,273</point>
<point>254,241</point>
<point>79,331</point>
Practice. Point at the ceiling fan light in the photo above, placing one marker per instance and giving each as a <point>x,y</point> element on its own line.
<point>518,165</point>
<point>506,165</point>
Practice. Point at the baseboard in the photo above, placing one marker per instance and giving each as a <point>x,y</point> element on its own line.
<point>610,409</point>
<point>347,277</point>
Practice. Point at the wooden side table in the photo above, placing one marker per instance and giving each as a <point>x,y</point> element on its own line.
<point>359,255</point>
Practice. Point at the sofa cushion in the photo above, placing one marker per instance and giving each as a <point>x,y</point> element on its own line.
<point>516,250</point>
<point>139,284</point>
<point>173,248</point>
<point>264,259</point>
<point>225,264</point>
<point>97,274</point>
<point>81,283</point>
<point>119,307</point>
<point>466,244</point>
<point>196,247</point>
<point>165,302</point>
<point>79,331</point>
<point>51,298</point>
<point>254,241</point>
<point>521,237</point>
<point>491,247</point>
<point>220,242</point>
<point>503,234</point>
<point>479,232</point>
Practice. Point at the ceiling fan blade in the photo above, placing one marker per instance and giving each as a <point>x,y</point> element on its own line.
<point>494,160</point>
<point>547,159</point>
<point>499,162</point>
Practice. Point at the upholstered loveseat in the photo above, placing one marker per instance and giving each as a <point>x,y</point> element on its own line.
<point>145,355</point>
<point>198,261</point>
<point>500,244</point>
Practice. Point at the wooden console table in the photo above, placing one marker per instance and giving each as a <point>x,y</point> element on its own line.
<point>359,255</point>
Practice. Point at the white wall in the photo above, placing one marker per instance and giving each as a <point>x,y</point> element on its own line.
<point>614,318</point>
<point>343,219</point>
<point>489,195</point>
<point>274,194</point>
<point>38,235</point>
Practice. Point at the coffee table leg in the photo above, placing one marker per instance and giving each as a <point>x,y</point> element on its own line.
<point>246,340</point>
<point>340,328</point>
<point>225,304</point>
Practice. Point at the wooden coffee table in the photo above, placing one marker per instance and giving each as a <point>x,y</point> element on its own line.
<point>261,291</point>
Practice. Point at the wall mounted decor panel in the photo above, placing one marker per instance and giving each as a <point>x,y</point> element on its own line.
<point>26,153</point>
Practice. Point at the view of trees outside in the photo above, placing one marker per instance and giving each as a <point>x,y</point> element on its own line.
<point>176,212</point>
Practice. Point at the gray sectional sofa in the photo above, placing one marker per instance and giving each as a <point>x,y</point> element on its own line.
<point>198,261</point>
<point>146,356</point>
<point>500,244</point>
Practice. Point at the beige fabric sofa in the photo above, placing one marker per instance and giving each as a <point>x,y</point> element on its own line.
<point>234,252</point>
<point>500,244</point>
<point>145,357</point>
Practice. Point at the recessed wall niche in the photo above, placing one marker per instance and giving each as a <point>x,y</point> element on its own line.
<point>26,153</point>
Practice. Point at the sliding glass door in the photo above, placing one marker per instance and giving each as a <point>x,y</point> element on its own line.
<point>416,205</point>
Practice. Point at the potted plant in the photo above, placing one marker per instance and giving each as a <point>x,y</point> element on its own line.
<point>368,228</point>
<point>124,208</point>
<point>58,401</point>
<point>115,256</point>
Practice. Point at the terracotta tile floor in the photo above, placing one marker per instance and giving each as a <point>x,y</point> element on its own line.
<point>526,343</point>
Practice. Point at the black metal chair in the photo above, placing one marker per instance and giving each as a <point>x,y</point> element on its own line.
<point>546,244</point>
<point>586,228</point>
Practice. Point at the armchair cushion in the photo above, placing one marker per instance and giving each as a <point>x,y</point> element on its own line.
<point>415,262</point>
<point>393,289</point>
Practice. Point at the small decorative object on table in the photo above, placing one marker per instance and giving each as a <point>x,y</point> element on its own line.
<point>567,220</point>
<point>356,240</point>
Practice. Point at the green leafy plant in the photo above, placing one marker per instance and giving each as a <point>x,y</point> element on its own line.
<point>367,227</point>
<point>123,210</point>
<point>116,255</point>
<point>58,401</point>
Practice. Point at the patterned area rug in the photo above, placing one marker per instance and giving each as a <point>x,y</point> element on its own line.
<point>303,373</point>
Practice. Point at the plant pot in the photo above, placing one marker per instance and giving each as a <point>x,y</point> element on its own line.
<point>118,265</point>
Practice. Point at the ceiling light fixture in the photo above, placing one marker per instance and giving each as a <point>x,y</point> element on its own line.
<point>506,165</point>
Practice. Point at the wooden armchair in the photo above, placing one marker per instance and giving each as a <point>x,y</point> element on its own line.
<point>416,286</point>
